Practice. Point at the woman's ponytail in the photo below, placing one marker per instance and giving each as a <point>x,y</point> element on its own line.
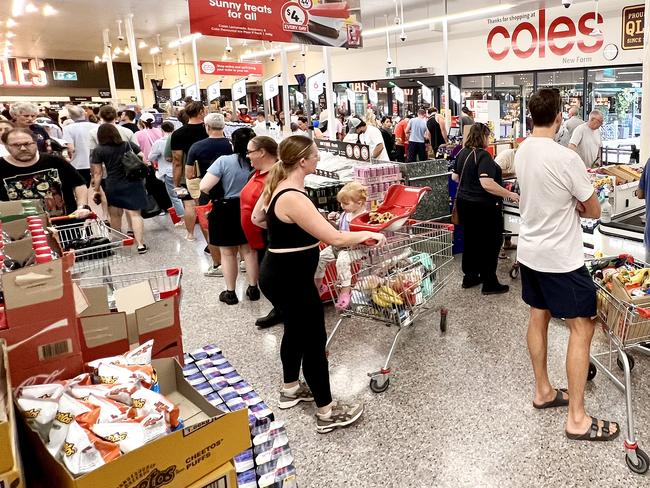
<point>290,152</point>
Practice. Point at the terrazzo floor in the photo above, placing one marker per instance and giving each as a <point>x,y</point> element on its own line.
<point>458,411</point>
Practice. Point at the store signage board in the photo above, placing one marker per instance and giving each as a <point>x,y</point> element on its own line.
<point>272,87</point>
<point>300,98</point>
<point>176,93</point>
<point>297,21</point>
<point>316,86</point>
<point>193,91</point>
<point>427,96</point>
<point>391,72</point>
<point>104,93</point>
<point>214,91</point>
<point>352,96</point>
<point>81,99</point>
<point>399,94</point>
<point>238,89</point>
<point>358,152</point>
<point>22,72</point>
<point>454,93</point>
<point>633,20</point>
<point>373,96</point>
<point>64,75</point>
<point>229,68</point>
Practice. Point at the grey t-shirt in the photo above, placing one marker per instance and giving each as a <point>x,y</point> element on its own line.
<point>588,143</point>
<point>418,129</point>
<point>78,134</point>
<point>127,135</point>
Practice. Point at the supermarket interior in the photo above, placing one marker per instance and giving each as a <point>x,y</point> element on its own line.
<point>324,243</point>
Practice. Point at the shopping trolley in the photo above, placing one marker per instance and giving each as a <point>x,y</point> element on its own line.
<point>165,283</point>
<point>627,327</point>
<point>397,282</point>
<point>96,245</point>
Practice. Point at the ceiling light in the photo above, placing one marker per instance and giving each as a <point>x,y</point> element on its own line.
<point>10,35</point>
<point>142,44</point>
<point>155,50</point>
<point>126,51</point>
<point>30,8</point>
<point>175,62</point>
<point>184,40</point>
<point>168,62</point>
<point>257,54</point>
<point>117,51</point>
<point>97,59</point>
<point>49,10</point>
<point>17,8</point>
<point>433,20</point>
<point>11,23</point>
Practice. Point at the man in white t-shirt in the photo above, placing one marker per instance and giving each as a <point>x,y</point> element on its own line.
<point>555,193</point>
<point>370,136</point>
<point>77,137</point>
<point>586,139</point>
<point>108,115</point>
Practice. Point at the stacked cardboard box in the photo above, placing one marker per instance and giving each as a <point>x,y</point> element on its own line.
<point>10,466</point>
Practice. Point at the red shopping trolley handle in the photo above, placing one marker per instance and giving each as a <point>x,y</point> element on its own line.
<point>72,216</point>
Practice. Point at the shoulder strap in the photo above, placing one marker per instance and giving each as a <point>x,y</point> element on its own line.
<point>462,172</point>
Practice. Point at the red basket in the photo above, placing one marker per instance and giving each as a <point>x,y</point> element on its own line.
<point>400,200</point>
<point>202,212</point>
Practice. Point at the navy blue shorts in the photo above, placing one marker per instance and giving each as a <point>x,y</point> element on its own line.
<point>565,295</point>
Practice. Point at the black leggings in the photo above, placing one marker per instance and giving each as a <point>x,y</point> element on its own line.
<point>483,234</point>
<point>287,280</point>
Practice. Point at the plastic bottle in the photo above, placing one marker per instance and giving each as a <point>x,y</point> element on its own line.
<point>606,210</point>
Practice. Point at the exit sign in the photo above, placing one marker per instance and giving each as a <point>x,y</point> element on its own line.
<point>391,72</point>
<point>65,75</point>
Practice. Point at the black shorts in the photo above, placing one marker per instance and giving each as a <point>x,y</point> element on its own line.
<point>224,224</point>
<point>85,174</point>
<point>565,295</point>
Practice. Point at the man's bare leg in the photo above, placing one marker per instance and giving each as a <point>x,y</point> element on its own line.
<point>538,349</point>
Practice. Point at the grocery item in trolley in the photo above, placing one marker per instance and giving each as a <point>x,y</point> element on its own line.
<point>400,203</point>
<point>86,423</point>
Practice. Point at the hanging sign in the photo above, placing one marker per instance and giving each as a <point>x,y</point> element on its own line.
<point>193,91</point>
<point>214,91</point>
<point>300,98</point>
<point>316,86</point>
<point>176,93</point>
<point>352,96</point>
<point>633,22</point>
<point>298,21</point>
<point>271,88</point>
<point>239,89</point>
<point>454,93</point>
<point>426,94</point>
<point>22,72</point>
<point>373,96</point>
<point>399,94</point>
<point>229,68</point>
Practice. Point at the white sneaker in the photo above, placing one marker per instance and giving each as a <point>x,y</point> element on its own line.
<point>190,237</point>
<point>242,266</point>
<point>214,272</point>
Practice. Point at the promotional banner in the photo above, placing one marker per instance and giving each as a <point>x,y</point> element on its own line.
<point>373,96</point>
<point>271,88</point>
<point>214,91</point>
<point>316,86</point>
<point>426,94</point>
<point>352,96</point>
<point>300,98</point>
<point>335,24</point>
<point>229,68</point>
<point>454,93</point>
<point>399,94</point>
<point>238,89</point>
<point>176,93</point>
<point>193,91</point>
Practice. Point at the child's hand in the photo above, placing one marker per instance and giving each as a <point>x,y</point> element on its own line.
<point>332,216</point>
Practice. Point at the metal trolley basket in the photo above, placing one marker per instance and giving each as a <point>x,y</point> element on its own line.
<point>396,283</point>
<point>95,244</point>
<point>164,283</point>
<point>627,327</point>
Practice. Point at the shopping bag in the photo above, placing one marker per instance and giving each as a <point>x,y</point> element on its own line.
<point>202,212</point>
<point>152,209</point>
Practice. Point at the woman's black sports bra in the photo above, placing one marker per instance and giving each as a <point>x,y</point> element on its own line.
<point>283,235</point>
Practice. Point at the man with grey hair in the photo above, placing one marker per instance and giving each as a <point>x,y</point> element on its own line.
<point>77,136</point>
<point>574,120</point>
<point>586,140</point>
<point>24,114</point>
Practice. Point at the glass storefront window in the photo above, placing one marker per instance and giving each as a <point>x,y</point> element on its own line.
<point>513,91</point>
<point>476,88</point>
<point>570,84</point>
<point>617,93</point>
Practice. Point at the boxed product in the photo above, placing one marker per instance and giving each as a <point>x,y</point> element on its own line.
<point>10,468</point>
<point>224,477</point>
<point>40,315</point>
<point>118,318</point>
<point>205,440</point>
<point>19,209</point>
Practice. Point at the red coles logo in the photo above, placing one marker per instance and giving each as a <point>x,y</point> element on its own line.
<point>559,37</point>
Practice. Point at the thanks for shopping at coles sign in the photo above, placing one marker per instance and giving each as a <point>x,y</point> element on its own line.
<point>302,21</point>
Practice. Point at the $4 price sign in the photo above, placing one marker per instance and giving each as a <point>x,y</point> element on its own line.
<point>295,17</point>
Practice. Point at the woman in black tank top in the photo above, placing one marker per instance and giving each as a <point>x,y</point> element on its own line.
<point>287,279</point>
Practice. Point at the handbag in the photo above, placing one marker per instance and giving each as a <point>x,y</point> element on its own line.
<point>202,212</point>
<point>134,168</point>
<point>194,184</point>
<point>152,209</point>
<point>455,219</point>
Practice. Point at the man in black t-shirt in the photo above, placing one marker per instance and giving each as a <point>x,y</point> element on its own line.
<point>128,121</point>
<point>27,174</point>
<point>181,141</point>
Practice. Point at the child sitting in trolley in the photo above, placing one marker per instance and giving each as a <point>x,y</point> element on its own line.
<point>353,198</point>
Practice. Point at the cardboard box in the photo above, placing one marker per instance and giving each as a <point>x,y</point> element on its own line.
<point>40,312</point>
<point>140,318</point>
<point>10,468</point>
<point>224,477</point>
<point>210,439</point>
<point>620,292</point>
<point>16,209</point>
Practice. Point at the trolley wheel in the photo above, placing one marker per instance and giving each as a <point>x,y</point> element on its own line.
<point>592,372</point>
<point>443,319</point>
<point>641,466</point>
<point>630,358</point>
<point>514,272</point>
<point>379,386</point>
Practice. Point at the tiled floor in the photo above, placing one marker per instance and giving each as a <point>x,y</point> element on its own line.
<point>458,411</point>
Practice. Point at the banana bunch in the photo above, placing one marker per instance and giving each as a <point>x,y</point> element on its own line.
<point>386,297</point>
<point>602,182</point>
<point>639,277</point>
<point>380,218</point>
